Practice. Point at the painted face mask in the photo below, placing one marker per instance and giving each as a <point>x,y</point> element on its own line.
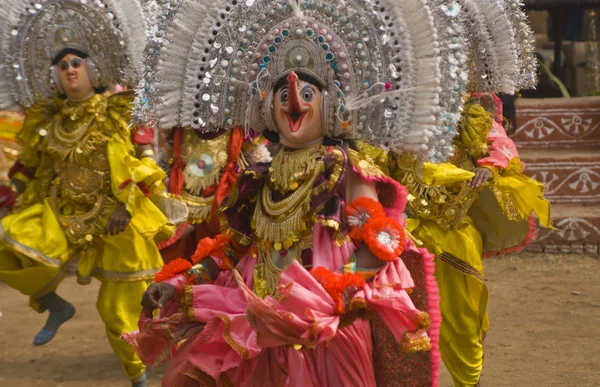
<point>297,111</point>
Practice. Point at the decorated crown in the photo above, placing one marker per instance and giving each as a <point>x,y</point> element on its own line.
<point>388,76</point>
<point>110,32</point>
<point>501,45</point>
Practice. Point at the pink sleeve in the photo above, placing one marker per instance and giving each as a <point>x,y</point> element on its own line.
<point>387,295</point>
<point>501,149</point>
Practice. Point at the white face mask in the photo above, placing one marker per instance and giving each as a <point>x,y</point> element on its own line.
<point>74,78</point>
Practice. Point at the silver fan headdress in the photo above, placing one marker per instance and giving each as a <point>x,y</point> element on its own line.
<point>455,68</point>
<point>211,66</point>
<point>500,44</point>
<point>110,32</point>
<point>527,66</point>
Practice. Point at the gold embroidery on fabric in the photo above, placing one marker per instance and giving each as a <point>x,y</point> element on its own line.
<point>418,344</point>
<point>338,169</point>
<point>275,221</point>
<point>280,228</point>
<point>291,169</point>
<point>505,202</point>
<point>365,165</point>
<point>356,309</point>
<point>50,286</point>
<point>201,376</point>
<point>266,276</point>
<point>187,303</point>
<point>73,135</point>
<point>378,156</point>
<point>81,226</point>
<point>460,265</point>
<point>134,276</point>
<point>446,205</point>
<point>27,251</point>
<point>243,351</point>
<point>423,319</point>
<point>204,160</point>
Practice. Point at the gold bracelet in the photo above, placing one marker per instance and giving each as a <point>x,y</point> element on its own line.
<point>199,272</point>
<point>147,153</point>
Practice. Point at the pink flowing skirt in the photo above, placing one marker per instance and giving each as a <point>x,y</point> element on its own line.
<point>231,337</point>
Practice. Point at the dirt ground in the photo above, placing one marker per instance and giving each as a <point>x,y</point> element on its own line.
<point>544,313</point>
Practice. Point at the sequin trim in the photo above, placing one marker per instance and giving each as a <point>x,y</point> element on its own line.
<point>460,265</point>
<point>27,251</point>
<point>187,306</point>
<point>409,345</point>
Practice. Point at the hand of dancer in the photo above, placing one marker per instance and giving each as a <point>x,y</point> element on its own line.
<point>482,176</point>
<point>157,295</point>
<point>118,221</point>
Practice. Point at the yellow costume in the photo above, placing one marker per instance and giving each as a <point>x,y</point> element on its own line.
<point>84,166</point>
<point>10,124</point>
<point>461,225</point>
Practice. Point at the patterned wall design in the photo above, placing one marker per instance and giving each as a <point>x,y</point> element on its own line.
<point>559,141</point>
<point>552,123</point>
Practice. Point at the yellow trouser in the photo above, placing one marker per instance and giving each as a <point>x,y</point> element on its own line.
<point>33,250</point>
<point>464,322</point>
<point>464,296</point>
<point>119,307</point>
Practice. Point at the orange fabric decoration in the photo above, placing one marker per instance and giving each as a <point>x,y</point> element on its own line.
<point>359,212</point>
<point>209,246</point>
<point>173,268</point>
<point>385,238</point>
<point>206,247</point>
<point>176,179</point>
<point>228,174</point>
<point>341,287</point>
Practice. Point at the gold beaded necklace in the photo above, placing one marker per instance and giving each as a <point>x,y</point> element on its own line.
<point>275,221</point>
<point>290,169</point>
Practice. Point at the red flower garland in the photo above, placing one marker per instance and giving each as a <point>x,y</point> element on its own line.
<point>385,238</point>
<point>359,212</point>
<point>370,224</point>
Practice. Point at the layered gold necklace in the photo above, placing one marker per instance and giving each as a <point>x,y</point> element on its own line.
<point>275,221</point>
<point>290,169</point>
<point>72,133</point>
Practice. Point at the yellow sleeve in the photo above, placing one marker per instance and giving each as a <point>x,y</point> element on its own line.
<point>475,126</point>
<point>519,195</point>
<point>38,119</point>
<point>381,157</point>
<point>126,172</point>
<point>443,174</point>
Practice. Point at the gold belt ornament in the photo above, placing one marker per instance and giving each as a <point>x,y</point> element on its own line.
<point>81,228</point>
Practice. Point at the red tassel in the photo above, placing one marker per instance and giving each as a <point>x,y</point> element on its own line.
<point>176,179</point>
<point>20,168</point>
<point>228,175</point>
<point>7,197</point>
